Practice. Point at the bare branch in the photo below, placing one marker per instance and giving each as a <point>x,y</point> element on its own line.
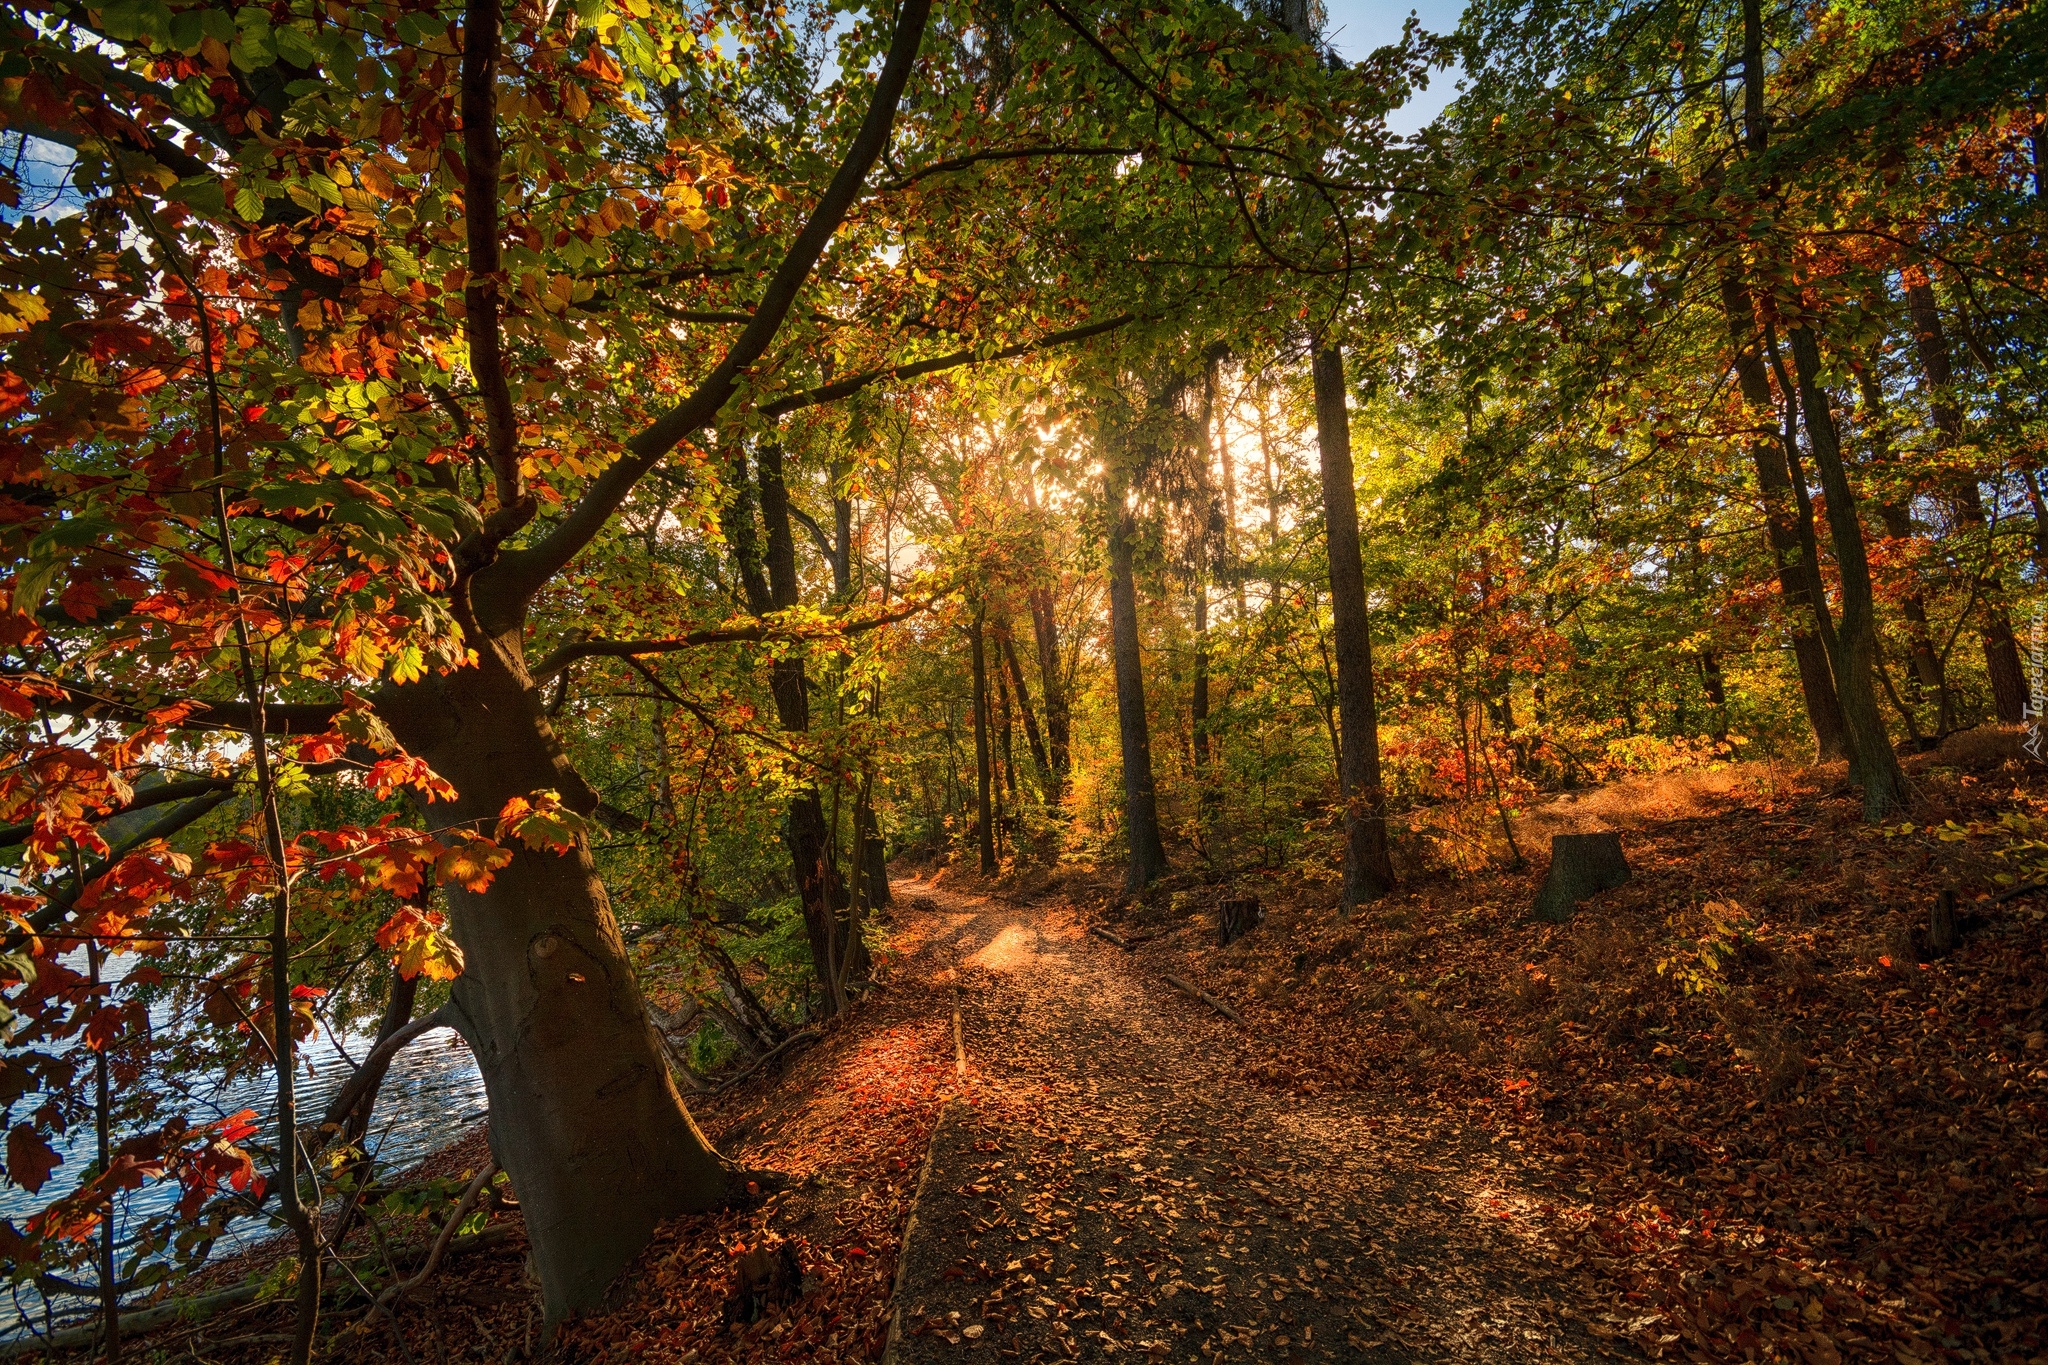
<point>846,388</point>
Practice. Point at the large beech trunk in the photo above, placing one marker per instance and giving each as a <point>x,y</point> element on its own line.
<point>584,1115</point>
<point>1368,871</point>
<point>1147,862</point>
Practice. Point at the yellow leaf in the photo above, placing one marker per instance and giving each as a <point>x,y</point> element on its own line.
<point>25,310</point>
<point>471,864</point>
<point>575,103</point>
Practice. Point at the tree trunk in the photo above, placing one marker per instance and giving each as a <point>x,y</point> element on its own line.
<point>874,852</point>
<point>1147,861</point>
<point>1928,673</point>
<point>740,1001</point>
<point>1798,584</point>
<point>584,1114</point>
<point>1717,694</point>
<point>2009,689</point>
<point>984,823</point>
<point>1218,442</point>
<point>1873,764</point>
<point>836,955</point>
<point>1199,706</point>
<point>1006,751</point>
<point>1048,781</point>
<point>1368,872</point>
<point>1058,731</point>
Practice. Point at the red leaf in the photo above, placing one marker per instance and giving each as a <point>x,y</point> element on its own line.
<point>30,1159</point>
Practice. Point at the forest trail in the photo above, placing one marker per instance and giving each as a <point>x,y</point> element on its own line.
<point>1111,1186</point>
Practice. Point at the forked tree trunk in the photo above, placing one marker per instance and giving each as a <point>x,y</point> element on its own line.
<point>1368,871</point>
<point>1798,585</point>
<point>1147,861</point>
<point>836,955</point>
<point>1790,533</point>
<point>1873,765</point>
<point>584,1115</point>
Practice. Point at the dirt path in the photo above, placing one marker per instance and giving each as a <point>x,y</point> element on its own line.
<point>1109,1186</point>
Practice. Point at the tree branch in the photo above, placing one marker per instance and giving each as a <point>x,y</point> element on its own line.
<point>371,1072</point>
<point>481,158</point>
<point>846,388</point>
<point>723,635</point>
<point>280,718</point>
<point>508,584</point>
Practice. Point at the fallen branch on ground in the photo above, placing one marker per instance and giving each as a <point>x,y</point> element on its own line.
<point>1211,1001</point>
<point>786,1045</point>
<point>469,1197</point>
<point>200,1307</point>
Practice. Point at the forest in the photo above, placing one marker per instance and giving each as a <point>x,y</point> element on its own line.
<point>711,680</point>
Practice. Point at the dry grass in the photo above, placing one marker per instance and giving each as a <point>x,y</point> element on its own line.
<point>1633,802</point>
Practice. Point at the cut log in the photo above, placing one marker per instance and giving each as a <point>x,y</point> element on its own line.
<point>1236,917</point>
<point>1211,1001</point>
<point>1581,865</point>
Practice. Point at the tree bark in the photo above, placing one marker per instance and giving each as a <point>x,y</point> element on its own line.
<point>1147,860</point>
<point>2009,691</point>
<point>1368,871</point>
<point>1048,780</point>
<point>984,823</point>
<point>1873,765</point>
<point>1798,584</point>
<point>744,1006</point>
<point>1218,443</point>
<point>583,1112</point>
<point>1928,673</point>
<point>1199,703</point>
<point>836,955</point>
<point>1058,732</point>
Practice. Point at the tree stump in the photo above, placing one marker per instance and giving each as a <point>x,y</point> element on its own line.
<point>1581,865</point>
<point>1943,932</point>
<point>1237,917</point>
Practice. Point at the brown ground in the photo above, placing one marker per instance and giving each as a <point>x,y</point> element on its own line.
<point>1442,1132</point>
<point>1115,1185</point>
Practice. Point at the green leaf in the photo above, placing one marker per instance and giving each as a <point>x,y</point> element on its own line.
<point>296,48</point>
<point>187,29</point>
<point>248,204</point>
<point>191,97</point>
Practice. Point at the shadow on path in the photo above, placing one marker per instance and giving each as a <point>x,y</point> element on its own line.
<point>1112,1189</point>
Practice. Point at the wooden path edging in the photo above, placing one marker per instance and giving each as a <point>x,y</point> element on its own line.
<point>931,1150</point>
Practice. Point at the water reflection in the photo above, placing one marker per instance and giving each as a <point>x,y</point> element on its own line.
<point>431,1094</point>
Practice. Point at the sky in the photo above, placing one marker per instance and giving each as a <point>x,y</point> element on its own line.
<point>1356,27</point>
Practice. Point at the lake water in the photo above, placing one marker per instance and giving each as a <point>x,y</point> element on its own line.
<point>432,1094</point>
